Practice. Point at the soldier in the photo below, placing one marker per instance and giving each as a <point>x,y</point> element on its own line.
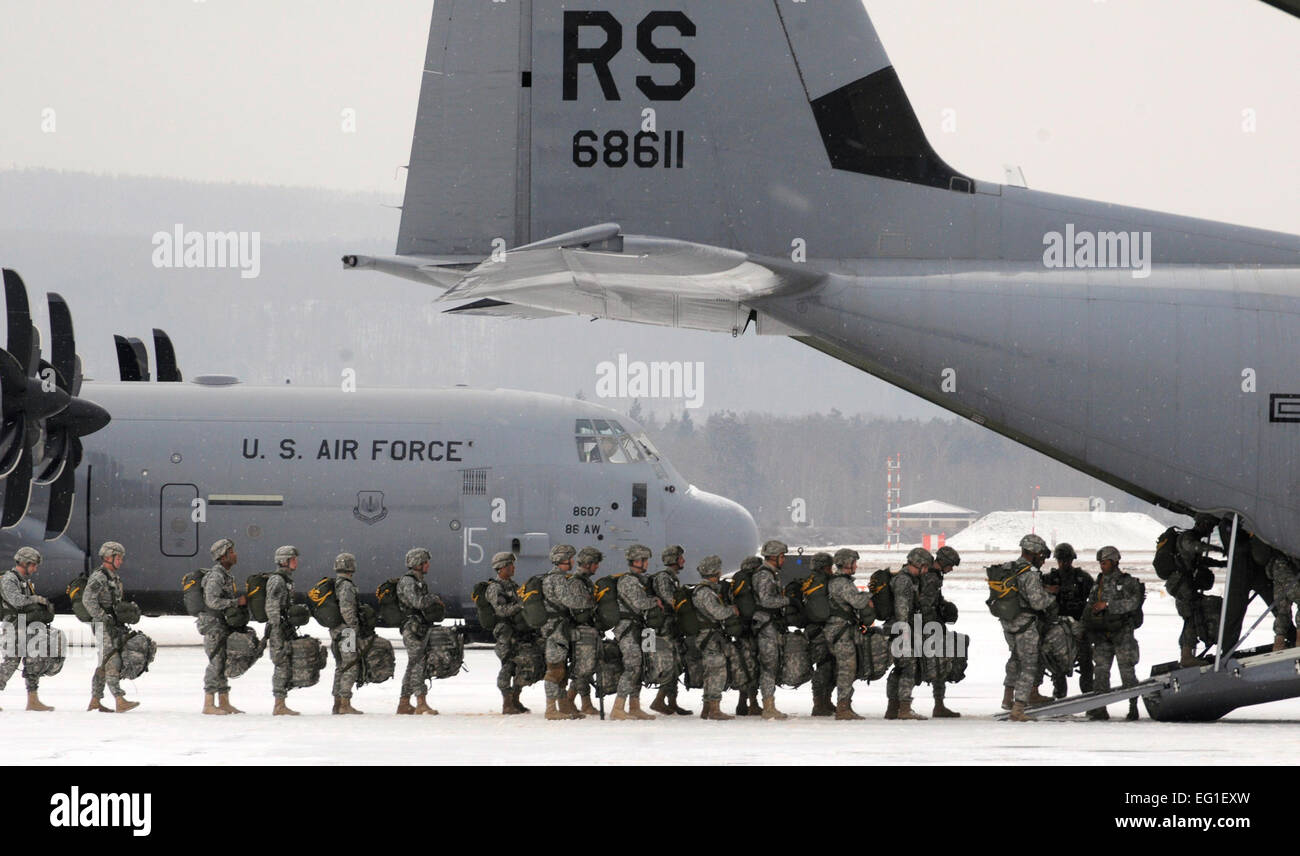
<point>747,643</point>
<point>1025,666</point>
<point>634,602</point>
<point>279,632</point>
<point>849,609</point>
<point>711,641</point>
<point>585,659</point>
<point>219,594</point>
<point>16,592</point>
<point>769,623</point>
<point>1286,592</point>
<point>936,611</point>
<point>1191,576</point>
<point>1071,586</point>
<point>667,587</point>
<point>824,664</point>
<point>420,605</point>
<point>562,598</point>
<point>503,596</point>
<point>1112,607</point>
<point>902,678</point>
<point>345,640</point>
<point>102,595</point>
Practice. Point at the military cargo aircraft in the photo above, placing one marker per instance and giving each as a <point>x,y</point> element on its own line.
<point>464,472</point>
<point>728,165</point>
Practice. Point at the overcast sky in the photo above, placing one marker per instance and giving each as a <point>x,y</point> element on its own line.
<point>1132,101</point>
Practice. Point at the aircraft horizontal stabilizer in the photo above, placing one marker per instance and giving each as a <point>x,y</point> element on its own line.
<point>499,309</point>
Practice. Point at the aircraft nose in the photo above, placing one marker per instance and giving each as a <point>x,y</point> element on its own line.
<point>707,524</point>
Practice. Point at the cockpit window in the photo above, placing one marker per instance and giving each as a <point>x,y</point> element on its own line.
<point>606,441</point>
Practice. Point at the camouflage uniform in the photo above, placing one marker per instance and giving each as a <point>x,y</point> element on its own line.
<point>345,640</point>
<point>218,596</point>
<point>563,596</point>
<point>1286,593</point>
<point>902,678</point>
<point>930,603</point>
<point>503,597</point>
<point>1185,587</point>
<point>746,647</point>
<point>769,626</point>
<point>1075,585</point>
<point>665,585</point>
<point>414,597</point>
<point>840,630</point>
<point>633,603</point>
<point>1024,670</point>
<point>711,641</point>
<point>1123,595</point>
<point>102,594</point>
<point>17,592</point>
<point>279,632</point>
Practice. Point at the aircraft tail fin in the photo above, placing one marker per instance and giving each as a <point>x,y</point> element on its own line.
<point>745,124</point>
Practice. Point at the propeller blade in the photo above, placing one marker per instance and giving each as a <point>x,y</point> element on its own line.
<point>54,455</point>
<point>141,357</point>
<point>18,492</point>
<point>165,354</point>
<point>19,316</point>
<point>13,380</point>
<point>128,369</point>
<point>62,341</point>
<point>13,437</point>
<point>62,495</point>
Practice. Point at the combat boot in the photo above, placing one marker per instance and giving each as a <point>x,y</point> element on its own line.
<point>565,705</point>
<point>1058,686</point>
<point>1279,643</point>
<point>1018,713</point>
<point>519,705</point>
<point>769,709</point>
<point>282,709</point>
<point>123,705</point>
<point>742,706</point>
<point>891,709</point>
<point>822,704</point>
<point>96,705</point>
<point>404,707</point>
<point>34,703</point>
<point>941,712</point>
<point>345,706</point>
<point>586,707</point>
<point>713,710</point>
<point>905,711</point>
<point>1132,710</point>
<point>334,709</point>
<point>1099,714</point>
<point>634,710</point>
<point>210,708</point>
<point>422,705</point>
<point>660,704</point>
<point>1035,697</point>
<point>507,703</point>
<point>672,703</point>
<point>1008,697</point>
<point>1187,656</point>
<point>223,702</point>
<point>844,710</point>
<point>754,708</point>
<point>618,714</point>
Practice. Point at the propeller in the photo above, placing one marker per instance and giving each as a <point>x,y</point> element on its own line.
<point>168,369</point>
<point>132,361</point>
<point>43,417</point>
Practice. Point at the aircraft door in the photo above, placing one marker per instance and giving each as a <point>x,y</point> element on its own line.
<point>178,532</point>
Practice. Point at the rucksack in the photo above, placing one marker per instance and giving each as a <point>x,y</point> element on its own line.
<point>1141,616</point>
<point>138,651</point>
<point>390,612</point>
<point>255,588</point>
<point>324,605</point>
<point>307,656</point>
<point>873,654</point>
<point>1166,558</point>
<point>529,663</point>
<point>796,660</point>
<point>1004,596</point>
<point>607,607</point>
<point>882,595</point>
<point>487,617</point>
<point>742,593</point>
<point>46,648</point>
<point>378,662</point>
<point>192,592</point>
<point>444,652</point>
<point>243,649</point>
<point>534,610</point>
<point>74,591</point>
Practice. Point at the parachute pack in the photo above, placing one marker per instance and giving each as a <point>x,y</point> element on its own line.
<point>534,610</point>
<point>487,617</point>
<point>1166,558</point>
<point>324,605</point>
<point>882,596</point>
<point>255,591</point>
<point>74,590</point>
<point>192,591</point>
<point>607,608</point>
<point>1004,597</point>
<point>742,593</point>
<point>811,597</point>
<point>688,619</point>
<point>390,612</point>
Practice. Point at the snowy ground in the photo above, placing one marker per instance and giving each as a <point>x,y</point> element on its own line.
<point>167,728</point>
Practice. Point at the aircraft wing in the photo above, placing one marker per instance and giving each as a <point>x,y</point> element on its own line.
<point>499,309</point>
<point>600,272</point>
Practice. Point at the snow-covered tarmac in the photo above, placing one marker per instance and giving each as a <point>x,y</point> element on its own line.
<point>167,728</point>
